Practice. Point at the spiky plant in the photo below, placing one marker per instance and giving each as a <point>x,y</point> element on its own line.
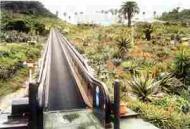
<point>170,84</point>
<point>148,29</point>
<point>143,87</point>
<point>182,65</point>
<point>123,45</point>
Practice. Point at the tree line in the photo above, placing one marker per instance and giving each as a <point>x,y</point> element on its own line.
<point>26,7</point>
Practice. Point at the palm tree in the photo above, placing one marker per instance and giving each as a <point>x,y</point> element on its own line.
<point>64,14</point>
<point>69,18</point>
<point>154,13</point>
<point>102,11</point>
<point>176,10</point>
<point>128,9</point>
<point>144,15</point>
<point>75,13</point>
<point>114,11</point>
<point>57,13</point>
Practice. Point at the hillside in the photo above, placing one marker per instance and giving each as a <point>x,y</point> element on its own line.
<point>153,64</point>
<point>26,7</point>
<point>22,19</point>
<point>24,28</point>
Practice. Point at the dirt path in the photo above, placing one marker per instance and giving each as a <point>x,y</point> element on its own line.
<point>136,123</point>
<point>5,101</point>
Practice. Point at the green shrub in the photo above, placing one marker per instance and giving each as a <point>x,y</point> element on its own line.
<point>80,49</point>
<point>7,71</point>
<point>170,84</point>
<point>164,119</point>
<point>148,29</point>
<point>181,67</point>
<point>32,53</point>
<point>116,61</point>
<point>174,101</point>
<point>14,83</point>
<point>163,52</point>
<point>14,36</point>
<point>131,66</point>
<point>18,25</point>
<point>143,87</point>
<point>123,45</point>
<point>12,58</point>
<point>185,94</point>
<point>40,29</point>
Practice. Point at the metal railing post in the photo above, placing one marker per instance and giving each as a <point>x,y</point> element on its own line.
<point>33,105</point>
<point>116,104</point>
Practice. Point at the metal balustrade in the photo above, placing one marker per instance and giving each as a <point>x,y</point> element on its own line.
<point>94,93</point>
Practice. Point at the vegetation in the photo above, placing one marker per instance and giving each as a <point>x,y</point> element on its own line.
<point>159,52</point>
<point>123,46</point>
<point>14,83</point>
<point>177,15</point>
<point>13,73</point>
<point>163,117</point>
<point>182,65</point>
<point>26,19</point>
<point>144,87</point>
<point>170,84</point>
<point>20,24</point>
<point>147,31</point>
<point>157,58</point>
<point>25,7</point>
<point>128,9</point>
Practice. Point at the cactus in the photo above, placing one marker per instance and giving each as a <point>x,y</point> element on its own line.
<point>148,29</point>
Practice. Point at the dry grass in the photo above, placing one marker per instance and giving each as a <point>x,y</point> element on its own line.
<point>14,83</point>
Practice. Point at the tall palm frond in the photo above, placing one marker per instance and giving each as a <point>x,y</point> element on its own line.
<point>129,9</point>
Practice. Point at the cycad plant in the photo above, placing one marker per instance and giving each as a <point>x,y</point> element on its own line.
<point>143,87</point>
<point>123,45</point>
<point>170,84</point>
<point>182,65</point>
<point>148,29</point>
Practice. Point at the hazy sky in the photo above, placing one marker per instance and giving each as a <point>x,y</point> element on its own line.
<point>93,5</point>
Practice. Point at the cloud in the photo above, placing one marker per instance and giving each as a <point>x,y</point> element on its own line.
<point>149,6</point>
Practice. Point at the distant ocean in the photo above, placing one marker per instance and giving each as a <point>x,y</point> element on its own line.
<point>96,18</point>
